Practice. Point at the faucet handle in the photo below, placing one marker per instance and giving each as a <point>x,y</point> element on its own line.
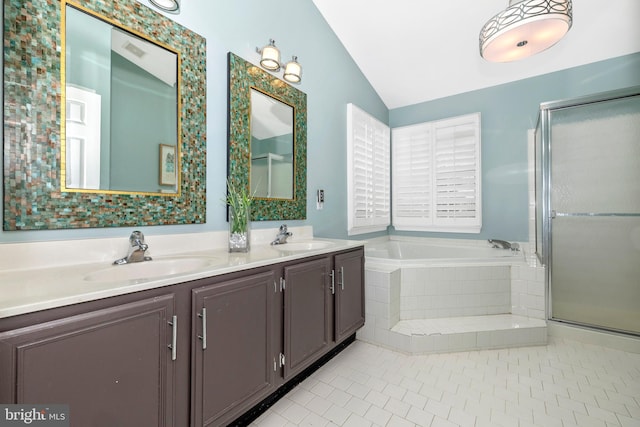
<point>136,237</point>
<point>283,228</point>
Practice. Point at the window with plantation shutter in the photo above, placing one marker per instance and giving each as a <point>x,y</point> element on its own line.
<point>436,176</point>
<point>368,173</point>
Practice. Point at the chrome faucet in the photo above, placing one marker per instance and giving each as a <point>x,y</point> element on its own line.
<point>137,249</point>
<point>282,236</point>
<point>502,244</point>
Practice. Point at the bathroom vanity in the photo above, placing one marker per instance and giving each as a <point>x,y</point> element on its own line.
<point>198,349</point>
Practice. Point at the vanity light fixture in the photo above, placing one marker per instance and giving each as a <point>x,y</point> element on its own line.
<point>171,6</point>
<point>270,56</point>
<point>525,28</point>
<point>270,60</point>
<point>293,71</point>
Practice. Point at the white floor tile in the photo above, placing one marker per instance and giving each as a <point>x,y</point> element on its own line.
<point>564,384</point>
<point>357,406</point>
<point>356,421</point>
<point>337,414</point>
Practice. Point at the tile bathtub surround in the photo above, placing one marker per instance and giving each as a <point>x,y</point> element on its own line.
<point>413,309</point>
<point>565,384</point>
<point>435,292</point>
<point>528,297</point>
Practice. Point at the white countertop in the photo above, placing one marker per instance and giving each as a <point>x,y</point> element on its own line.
<point>29,289</point>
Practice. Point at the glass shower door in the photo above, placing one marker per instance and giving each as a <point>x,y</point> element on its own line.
<point>594,213</point>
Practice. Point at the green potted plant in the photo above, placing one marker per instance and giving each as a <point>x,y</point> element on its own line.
<point>239,202</point>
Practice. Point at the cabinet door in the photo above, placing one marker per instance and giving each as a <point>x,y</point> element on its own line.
<point>349,293</point>
<point>307,314</point>
<point>232,345</point>
<point>113,367</point>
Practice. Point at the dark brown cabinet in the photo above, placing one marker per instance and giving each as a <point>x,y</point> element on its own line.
<point>112,366</point>
<point>307,310</point>
<point>349,293</point>
<point>235,360</point>
<point>198,353</point>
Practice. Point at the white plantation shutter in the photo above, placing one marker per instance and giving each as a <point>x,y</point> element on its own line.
<point>412,177</point>
<point>436,176</point>
<point>368,173</point>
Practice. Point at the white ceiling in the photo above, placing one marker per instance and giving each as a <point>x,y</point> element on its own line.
<point>413,51</point>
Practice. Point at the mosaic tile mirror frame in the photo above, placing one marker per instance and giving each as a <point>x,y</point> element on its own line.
<point>243,76</point>
<point>33,197</point>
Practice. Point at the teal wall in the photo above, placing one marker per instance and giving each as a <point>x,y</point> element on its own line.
<point>508,111</point>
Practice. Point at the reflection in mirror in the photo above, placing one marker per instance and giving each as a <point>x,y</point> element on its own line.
<point>271,147</point>
<point>121,109</point>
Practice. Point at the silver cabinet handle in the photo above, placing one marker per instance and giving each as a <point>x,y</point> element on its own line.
<point>174,337</point>
<point>333,280</point>
<point>342,277</point>
<point>203,337</point>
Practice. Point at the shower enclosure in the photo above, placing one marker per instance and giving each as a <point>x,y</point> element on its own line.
<point>588,209</point>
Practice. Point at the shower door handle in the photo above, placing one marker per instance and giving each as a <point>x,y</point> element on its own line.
<point>553,214</point>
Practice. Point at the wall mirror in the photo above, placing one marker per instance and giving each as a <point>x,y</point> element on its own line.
<point>121,109</point>
<point>267,141</point>
<point>147,167</point>
<point>271,147</point>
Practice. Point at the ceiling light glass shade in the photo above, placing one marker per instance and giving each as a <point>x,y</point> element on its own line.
<point>524,29</point>
<point>270,58</point>
<point>172,6</point>
<point>293,71</point>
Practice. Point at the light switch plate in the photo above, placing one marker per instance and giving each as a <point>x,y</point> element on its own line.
<point>319,199</point>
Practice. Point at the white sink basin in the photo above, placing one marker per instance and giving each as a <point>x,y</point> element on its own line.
<point>151,269</point>
<point>310,245</point>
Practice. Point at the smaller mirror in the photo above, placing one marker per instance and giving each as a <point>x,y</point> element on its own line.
<point>267,141</point>
<point>271,147</point>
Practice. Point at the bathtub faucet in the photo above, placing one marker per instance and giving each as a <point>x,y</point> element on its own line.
<point>137,250</point>
<point>282,236</point>
<point>502,244</point>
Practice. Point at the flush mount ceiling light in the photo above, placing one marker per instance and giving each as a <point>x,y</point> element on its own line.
<point>172,6</point>
<point>525,28</point>
<point>270,60</point>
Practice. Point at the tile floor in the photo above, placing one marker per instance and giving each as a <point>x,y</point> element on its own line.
<point>564,384</point>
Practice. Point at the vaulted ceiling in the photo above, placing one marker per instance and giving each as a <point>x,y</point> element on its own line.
<point>413,51</point>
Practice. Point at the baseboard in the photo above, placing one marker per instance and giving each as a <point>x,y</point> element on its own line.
<point>589,336</point>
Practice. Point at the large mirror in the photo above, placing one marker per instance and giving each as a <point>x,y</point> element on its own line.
<point>148,174</point>
<point>121,114</point>
<point>267,141</point>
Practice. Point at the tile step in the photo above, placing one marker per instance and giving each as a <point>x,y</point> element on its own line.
<point>423,336</point>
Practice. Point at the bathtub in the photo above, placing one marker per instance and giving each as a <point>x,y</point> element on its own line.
<point>435,278</point>
<point>428,253</point>
<point>418,293</point>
